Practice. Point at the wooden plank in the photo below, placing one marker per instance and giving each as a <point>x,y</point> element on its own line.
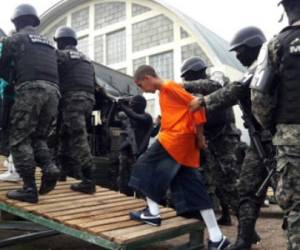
<point>71,199</point>
<point>125,236</point>
<point>94,209</point>
<point>104,214</point>
<point>103,211</point>
<point>91,201</point>
<point>126,224</point>
<point>115,219</point>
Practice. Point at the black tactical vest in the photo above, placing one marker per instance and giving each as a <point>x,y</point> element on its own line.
<point>34,57</point>
<point>288,105</point>
<point>76,72</point>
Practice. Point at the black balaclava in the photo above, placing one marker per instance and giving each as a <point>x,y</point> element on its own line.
<point>247,55</point>
<point>62,43</point>
<point>138,104</point>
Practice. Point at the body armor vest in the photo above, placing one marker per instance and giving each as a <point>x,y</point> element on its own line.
<point>76,72</point>
<point>288,104</point>
<point>34,57</point>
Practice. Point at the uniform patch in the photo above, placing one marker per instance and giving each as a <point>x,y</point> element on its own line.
<point>39,39</point>
<point>75,55</point>
<point>295,47</point>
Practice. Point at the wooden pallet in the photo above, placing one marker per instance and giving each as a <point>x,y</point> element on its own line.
<point>101,219</point>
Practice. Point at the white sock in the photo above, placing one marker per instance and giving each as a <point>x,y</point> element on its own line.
<point>153,206</point>
<point>212,226</point>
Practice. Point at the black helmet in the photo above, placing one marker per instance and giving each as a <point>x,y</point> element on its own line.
<point>292,9</point>
<point>65,32</point>
<point>249,36</point>
<point>25,10</point>
<point>194,64</point>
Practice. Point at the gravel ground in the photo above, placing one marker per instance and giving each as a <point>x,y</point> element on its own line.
<point>268,226</point>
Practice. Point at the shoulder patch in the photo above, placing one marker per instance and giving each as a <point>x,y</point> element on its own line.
<point>34,38</point>
<point>294,46</point>
<point>75,55</point>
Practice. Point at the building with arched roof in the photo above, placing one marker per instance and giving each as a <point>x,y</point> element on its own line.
<point>124,34</point>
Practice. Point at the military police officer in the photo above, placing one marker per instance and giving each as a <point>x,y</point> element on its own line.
<point>77,85</point>
<point>247,44</point>
<point>35,108</point>
<point>223,137</point>
<point>276,104</point>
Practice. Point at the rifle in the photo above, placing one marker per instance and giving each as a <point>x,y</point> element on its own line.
<point>268,162</point>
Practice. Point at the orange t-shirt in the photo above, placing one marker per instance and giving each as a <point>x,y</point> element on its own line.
<point>178,125</point>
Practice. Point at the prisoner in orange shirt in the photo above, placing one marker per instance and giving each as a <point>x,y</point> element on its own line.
<point>171,162</point>
<point>179,126</point>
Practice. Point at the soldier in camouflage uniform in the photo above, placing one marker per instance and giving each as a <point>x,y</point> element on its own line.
<point>276,104</point>
<point>35,108</point>
<point>247,44</point>
<point>220,159</point>
<point>77,84</point>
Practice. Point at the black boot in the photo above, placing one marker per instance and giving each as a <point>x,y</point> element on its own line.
<point>87,185</point>
<point>225,219</point>
<point>28,193</point>
<point>49,178</point>
<point>245,236</point>
<point>256,238</point>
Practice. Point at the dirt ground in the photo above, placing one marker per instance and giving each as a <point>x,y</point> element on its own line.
<point>268,226</point>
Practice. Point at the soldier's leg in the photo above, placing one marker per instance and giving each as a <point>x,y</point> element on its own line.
<point>23,121</point>
<point>43,155</point>
<point>252,175</point>
<point>288,191</point>
<point>74,119</point>
<point>226,172</point>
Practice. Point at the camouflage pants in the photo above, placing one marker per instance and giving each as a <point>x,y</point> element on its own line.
<point>31,117</point>
<point>288,191</point>
<point>252,176</point>
<point>222,165</point>
<point>74,150</point>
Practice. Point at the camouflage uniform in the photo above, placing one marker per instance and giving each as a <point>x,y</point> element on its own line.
<point>34,111</point>
<point>252,172</point>
<point>35,108</point>
<point>267,108</point>
<point>74,151</point>
<point>220,169</point>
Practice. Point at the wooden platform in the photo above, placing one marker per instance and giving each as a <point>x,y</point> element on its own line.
<point>101,219</point>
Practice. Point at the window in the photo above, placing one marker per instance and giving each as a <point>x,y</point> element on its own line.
<point>163,64</point>
<point>152,32</point>
<point>193,50</point>
<point>109,13</point>
<point>138,62</point>
<point>183,33</point>
<point>138,9</point>
<point>151,107</point>
<point>80,19</point>
<point>50,34</point>
<point>99,49</point>
<point>83,45</point>
<point>116,47</point>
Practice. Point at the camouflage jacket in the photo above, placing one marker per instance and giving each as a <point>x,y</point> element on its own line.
<point>264,104</point>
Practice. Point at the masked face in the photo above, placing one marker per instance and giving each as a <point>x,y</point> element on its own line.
<point>246,55</point>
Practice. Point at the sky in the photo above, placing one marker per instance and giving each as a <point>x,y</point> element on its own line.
<point>224,17</point>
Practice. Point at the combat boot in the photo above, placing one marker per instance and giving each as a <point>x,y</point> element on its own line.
<point>28,193</point>
<point>225,219</point>
<point>49,178</point>
<point>245,236</point>
<point>87,185</point>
